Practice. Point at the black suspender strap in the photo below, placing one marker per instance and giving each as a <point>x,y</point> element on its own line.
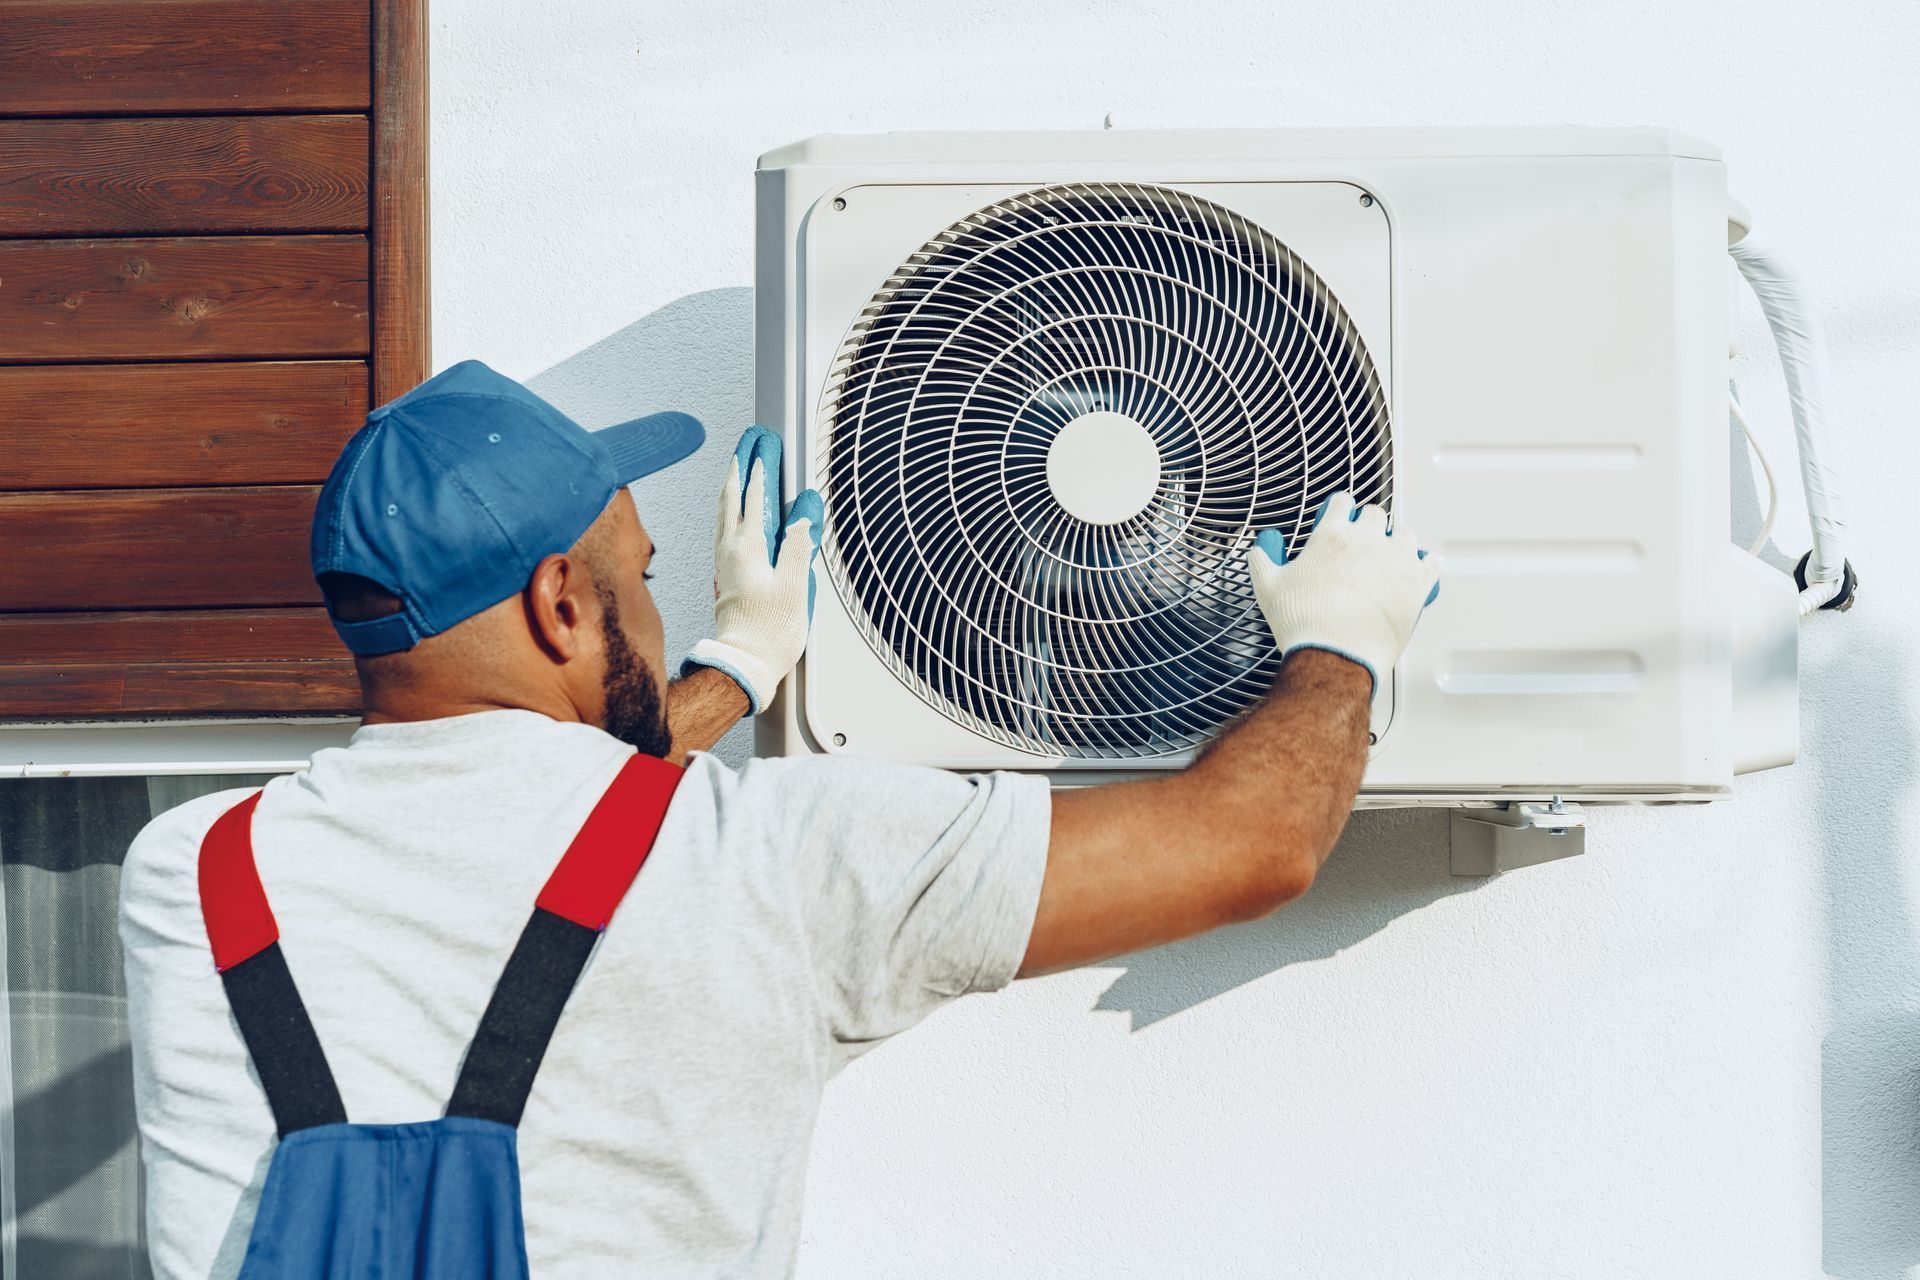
<point>568,918</point>
<point>246,950</point>
<point>572,910</point>
<point>497,1076</point>
<point>280,1040</point>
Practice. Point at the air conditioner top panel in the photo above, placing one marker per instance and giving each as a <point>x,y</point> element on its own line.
<point>1234,144</point>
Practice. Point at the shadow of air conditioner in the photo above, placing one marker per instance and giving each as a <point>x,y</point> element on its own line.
<point>1389,863</point>
<point>1861,746</point>
<point>696,355</point>
<point>1857,737</point>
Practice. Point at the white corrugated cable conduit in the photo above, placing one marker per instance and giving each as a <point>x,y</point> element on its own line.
<point>1803,359</point>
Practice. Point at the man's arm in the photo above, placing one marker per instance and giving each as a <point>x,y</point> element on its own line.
<point>1245,828</point>
<point>1233,837</point>
<point>701,706</point>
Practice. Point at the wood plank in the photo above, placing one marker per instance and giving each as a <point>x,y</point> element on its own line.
<point>170,636</point>
<point>176,662</point>
<point>44,692</point>
<point>205,298</point>
<point>231,688</point>
<point>122,425</point>
<point>156,548</point>
<point>402,330</point>
<point>153,176</point>
<point>107,690</point>
<point>117,57</point>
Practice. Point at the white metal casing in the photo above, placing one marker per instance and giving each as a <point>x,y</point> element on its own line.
<point>1547,310</point>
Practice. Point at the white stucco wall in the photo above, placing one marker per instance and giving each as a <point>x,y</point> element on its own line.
<point>1693,1052</point>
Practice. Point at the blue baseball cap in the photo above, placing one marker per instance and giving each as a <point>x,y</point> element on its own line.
<point>449,496</point>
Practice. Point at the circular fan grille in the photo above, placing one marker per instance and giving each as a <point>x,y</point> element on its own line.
<point>1050,439</point>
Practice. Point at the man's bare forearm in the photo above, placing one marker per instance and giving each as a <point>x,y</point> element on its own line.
<point>1235,835</point>
<point>701,706</point>
<point>1315,721</point>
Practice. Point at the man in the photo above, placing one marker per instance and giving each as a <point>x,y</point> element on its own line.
<point>481,555</point>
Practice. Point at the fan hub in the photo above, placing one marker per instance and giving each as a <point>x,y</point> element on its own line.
<point>1103,467</point>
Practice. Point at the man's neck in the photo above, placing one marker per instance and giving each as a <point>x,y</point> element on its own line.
<point>394,708</point>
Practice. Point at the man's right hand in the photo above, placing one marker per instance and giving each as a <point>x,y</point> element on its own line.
<point>1244,828</point>
<point>1356,589</point>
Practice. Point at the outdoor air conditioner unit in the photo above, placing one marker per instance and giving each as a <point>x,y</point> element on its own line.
<point>1052,384</point>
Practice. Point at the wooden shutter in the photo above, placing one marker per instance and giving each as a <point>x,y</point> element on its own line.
<point>213,262</point>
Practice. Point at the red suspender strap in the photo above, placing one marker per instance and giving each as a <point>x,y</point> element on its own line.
<point>239,922</point>
<point>599,866</point>
<point>586,887</point>
<point>579,899</point>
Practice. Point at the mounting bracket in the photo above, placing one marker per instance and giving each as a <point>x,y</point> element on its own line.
<point>1486,842</point>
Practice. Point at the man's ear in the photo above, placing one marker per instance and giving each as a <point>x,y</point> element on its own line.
<point>556,602</point>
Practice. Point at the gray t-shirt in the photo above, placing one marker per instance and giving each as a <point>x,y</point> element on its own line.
<point>792,914</point>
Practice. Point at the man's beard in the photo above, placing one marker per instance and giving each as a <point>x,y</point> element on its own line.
<point>633,699</point>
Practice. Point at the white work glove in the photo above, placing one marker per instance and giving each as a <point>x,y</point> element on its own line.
<point>1355,589</point>
<point>762,573</point>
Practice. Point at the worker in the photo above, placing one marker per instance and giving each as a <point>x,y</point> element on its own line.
<point>521,978</point>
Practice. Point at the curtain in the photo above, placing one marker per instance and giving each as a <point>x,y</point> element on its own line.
<point>70,1182</point>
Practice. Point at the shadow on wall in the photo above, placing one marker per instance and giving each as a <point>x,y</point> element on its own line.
<point>1388,863</point>
<point>1870,1061</point>
<point>695,355</point>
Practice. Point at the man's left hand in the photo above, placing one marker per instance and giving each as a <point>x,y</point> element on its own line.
<point>762,572</point>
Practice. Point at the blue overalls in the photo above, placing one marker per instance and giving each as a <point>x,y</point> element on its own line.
<point>439,1199</point>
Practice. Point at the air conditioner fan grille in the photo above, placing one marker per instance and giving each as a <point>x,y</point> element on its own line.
<point>1139,313</point>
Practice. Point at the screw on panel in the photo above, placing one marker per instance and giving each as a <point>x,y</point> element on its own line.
<point>1373,739</point>
<point>839,202</point>
<point>839,739</point>
<point>1366,201</point>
